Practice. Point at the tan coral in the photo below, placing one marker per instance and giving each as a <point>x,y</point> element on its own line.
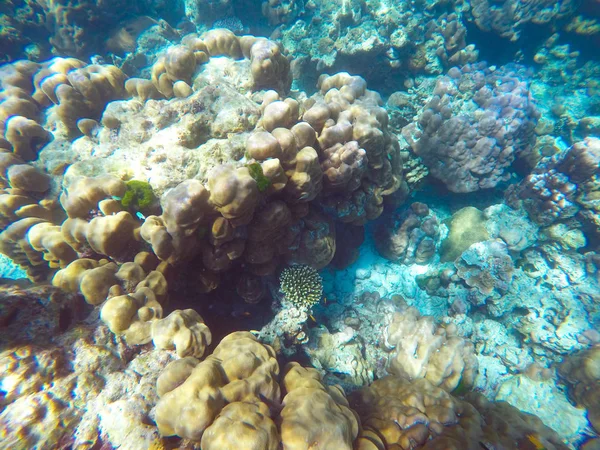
<point>142,89</point>
<point>185,206</point>
<point>273,170</point>
<point>184,331</point>
<point>173,235</point>
<point>240,370</point>
<point>26,137</point>
<point>14,244</point>
<point>221,41</point>
<point>114,235</point>
<point>262,145</point>
<point>582,371</point>
<point>243,426</point>
<point>424,350</point>
<point>316,241</point>
<point>131,315</point>
<point>234,193</point>
<point>84,194</point>
<point>93,279</point>
<point>315,416</point>
<point>84,92</point>
<point>268,234</point>
<point>343,167</point>
<point>269,67</point>
<point>306,179</point>
<point>27,178</point>
<point>48,239</point>
<point>406,414</point>
<point>280,114</point>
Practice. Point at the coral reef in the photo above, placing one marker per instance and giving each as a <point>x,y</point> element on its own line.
<point>410,229</point>
<point>419,415</point>
<point>423,351</point>
<point>410,237</point>
<point>562,186</point>
<point>474,126</point>
<point>508,17</point>
<point>582,373</point>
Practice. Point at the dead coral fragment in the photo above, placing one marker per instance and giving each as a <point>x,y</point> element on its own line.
<point>302,285</point>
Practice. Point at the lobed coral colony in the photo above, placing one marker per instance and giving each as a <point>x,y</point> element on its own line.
<point>377,228</point>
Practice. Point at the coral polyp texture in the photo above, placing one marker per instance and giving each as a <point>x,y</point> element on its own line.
<point>477,122</point>
<point>302,285</point>
<point>294,225</point>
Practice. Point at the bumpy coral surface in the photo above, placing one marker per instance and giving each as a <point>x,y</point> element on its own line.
<point>507,17</point>
<point>474,126</point>
<point>411,237</point>
<point>155,200</point>
<point>419,415</point>
<point>582,373</point>
<point>563,185</point>
<point>301,285</point>
<point>422,350</point>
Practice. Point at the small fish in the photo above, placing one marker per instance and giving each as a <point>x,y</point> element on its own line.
<point>312,318</point>
<point>324,300</point>
<point>530,442</point>
<point>536,442</point>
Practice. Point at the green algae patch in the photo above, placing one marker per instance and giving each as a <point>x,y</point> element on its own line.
<point>256,172</point>
<point>139,197</point>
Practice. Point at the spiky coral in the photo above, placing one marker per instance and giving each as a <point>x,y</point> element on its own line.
<point>302,285</point>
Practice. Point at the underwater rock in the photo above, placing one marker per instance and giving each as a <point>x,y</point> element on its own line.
<point>411,236</point>
<point>466,227</point>
<point>546,401</point>
<point>487,267</point>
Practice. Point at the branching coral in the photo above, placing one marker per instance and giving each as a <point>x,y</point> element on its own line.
<point>302,285</point>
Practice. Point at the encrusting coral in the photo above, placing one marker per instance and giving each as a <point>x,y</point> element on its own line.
<point>411,236</point>
<point>192,393</point>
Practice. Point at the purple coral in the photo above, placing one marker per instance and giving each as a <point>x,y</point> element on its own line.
<point>561,185</point>
<point>477,122</point>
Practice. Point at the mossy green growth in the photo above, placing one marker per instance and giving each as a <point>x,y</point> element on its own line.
<point>139,197</point>
<point>256,172</point>
<point>461,389</point>
<point>302,285</point>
